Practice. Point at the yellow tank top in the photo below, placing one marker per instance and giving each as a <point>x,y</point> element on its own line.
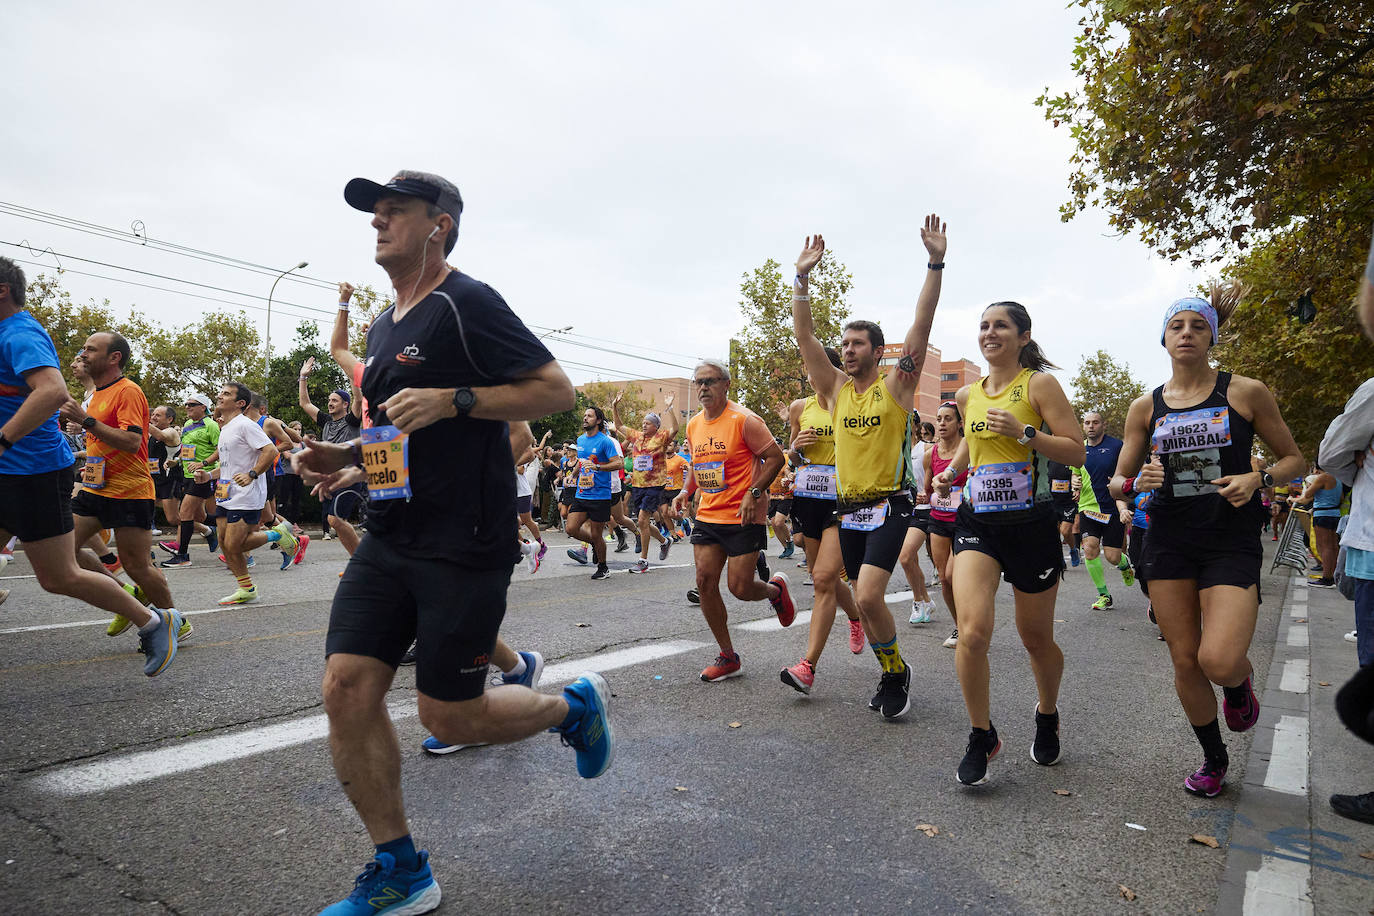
<point>814,416</point>
<point>1006,478</point>
<point>872,444</point>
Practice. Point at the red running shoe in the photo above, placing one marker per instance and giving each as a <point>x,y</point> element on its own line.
<point>724,666</point>
<point>787,612</point>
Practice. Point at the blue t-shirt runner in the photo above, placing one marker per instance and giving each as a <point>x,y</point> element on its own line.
<point>599,449</point>
<point>24,347</point>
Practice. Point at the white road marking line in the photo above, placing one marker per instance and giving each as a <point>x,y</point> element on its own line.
<point>899,597</point>
<point>1287,770</point>
<point>104,622</point>
<point>1296,673</point>
<point>127,769</point>
<point>18,577</point>
<point>1297,636</point>
<point>1278,886</point>
<point>769,624</point>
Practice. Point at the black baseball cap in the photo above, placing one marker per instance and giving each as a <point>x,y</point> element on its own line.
<point>362,193</point>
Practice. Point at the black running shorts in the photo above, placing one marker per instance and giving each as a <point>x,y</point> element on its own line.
<point>1206,555</point>
<point>737,540</point>
<point>114,513</point>
<point>941,527</point>
<point>230,516</point>
<point>386,600</point>
<point>813,516</point>
<point>920,518</point>
<point>1329,522</point>
<point>34,507</point>
<point>779,506</point>
<point>1112,533</point>
<point>1029,553</point>
<point>598,510</point>
<point>880,547</point>
<point>164,486</point>
<point>187,486</point>
<point>348,504</point>
<point>645,499</point>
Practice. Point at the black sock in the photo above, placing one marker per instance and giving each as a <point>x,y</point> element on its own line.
<point>184,538</point>
<point>109,559</point>
<point>1209,736</point>
<point>1236,696</point>
<point>1077,539</point>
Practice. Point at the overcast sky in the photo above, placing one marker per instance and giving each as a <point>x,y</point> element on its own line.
<point>622,164</point>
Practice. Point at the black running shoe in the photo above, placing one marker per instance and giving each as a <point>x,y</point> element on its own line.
<point>693,596</point>
<point>895,692</point>
<point>1355,807</point>
<point>602,572</point>
<point>622,544</point>
<point>663,550</point>
<point>409,657</point>
<point>762,566</point>
<point>639,543</point>
<point>1045,749</point>
<point>982,747</point>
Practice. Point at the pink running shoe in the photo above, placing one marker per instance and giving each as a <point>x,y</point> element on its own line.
<point>724,666</point>
<point>786,611</point>
<point>302,542</point>
<point>1207,780</point>
<point>800,676</point>
<point>1244,718</point>
<point>857,640</point>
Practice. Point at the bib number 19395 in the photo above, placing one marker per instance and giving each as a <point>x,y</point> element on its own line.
<point>386,460</point>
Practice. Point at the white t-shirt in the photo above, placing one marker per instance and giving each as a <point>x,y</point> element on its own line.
<point>522,484</point>
<point>239,442</point>
<point>615,475</point>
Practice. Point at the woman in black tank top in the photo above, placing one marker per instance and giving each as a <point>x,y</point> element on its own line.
<point>1202,555</point>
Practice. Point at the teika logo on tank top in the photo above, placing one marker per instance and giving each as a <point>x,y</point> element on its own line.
<point>862,422</point>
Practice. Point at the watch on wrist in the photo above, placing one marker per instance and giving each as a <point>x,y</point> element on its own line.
<point>755,492</point>
<point>88,423</point>
<point>1027,434</point>
<point>252,473</point>
<point>1266,479</point>
<point>463,399</point>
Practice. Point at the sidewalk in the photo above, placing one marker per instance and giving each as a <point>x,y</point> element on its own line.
<point>1288,852</point>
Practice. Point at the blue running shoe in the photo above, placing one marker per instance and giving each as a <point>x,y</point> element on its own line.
<point>383,888</point>
<point>592,736</point>
<point>160,645</point>
<point>1073,556</point>
<point>579,554</point>
<point>438,748</point>
<point>534,669</point>
<point>212,539</point>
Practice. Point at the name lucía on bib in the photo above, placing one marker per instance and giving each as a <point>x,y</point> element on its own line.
<point>1191,442</point>
<point>816,481</point>
<point>999,487</point>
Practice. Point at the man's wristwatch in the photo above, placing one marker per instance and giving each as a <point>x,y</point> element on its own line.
<point>755,492</point>
<point>463,399</point>
<point>88,423</point>
<point>1027,434</point>
<point>1266,479</point>
<point>252,473</point>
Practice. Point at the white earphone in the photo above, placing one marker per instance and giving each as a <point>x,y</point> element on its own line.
<point>433,233</point>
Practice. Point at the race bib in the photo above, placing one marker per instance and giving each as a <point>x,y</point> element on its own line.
<point>1191,443</point>
<point>644,463</point>
<point>154,467</point>
<point>948,503</point>
<point>710,476</point>
<point>586,477</point>
<point>816,481</point>
<point>221,490</point>
<point>1059,486</point>
<point>93,474</point>
<point>869,518</point>
<point>386,460</point>
<point>188,453</point>
<point>1100,517</point>
<point>1000,487</point>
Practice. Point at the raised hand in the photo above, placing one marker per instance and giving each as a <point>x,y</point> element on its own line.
<point>810,254</point>
<point>933,237</point>
<point>308,366</point>
<point>1151,476</point>
<point>345,291</point>
<point>668,402</point>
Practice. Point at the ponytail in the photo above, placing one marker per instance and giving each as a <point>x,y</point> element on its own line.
<point>1225,299</point>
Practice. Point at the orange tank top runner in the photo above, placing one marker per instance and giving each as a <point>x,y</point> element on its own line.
<point>110,472</point>
<point>724,455</point>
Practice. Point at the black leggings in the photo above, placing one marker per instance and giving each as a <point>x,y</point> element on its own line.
<point>289,489</point>
<point>1135,548</point>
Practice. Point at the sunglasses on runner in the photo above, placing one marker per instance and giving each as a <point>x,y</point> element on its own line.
<point>707,381</point>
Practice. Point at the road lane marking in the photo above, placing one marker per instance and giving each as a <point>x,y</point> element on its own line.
<point>128,769</point>
<point>1278,886</point>
<point>1295,676</point>
<point>769,624</point>
<point>105,621</point>
<point>1287,770</point>
<point>1297,636</point>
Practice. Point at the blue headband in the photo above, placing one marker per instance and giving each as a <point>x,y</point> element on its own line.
<point>344,395</point>
<point>1191,304</point>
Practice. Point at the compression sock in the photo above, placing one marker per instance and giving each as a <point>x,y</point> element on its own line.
<point>1077,540</point>
<point>245,582</point>
<point>1237,696</point>
<point>403,850</point>
<point>1099,578</point>
<point>519,667</point>
<point>889,656</point>
<point>184,538</point>
<point>1209,736</point>
<point>273,536</point>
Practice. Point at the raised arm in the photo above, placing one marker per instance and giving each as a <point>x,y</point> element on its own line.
<point>797,438</point>
<point>671,425</point>
<point>338,338</point>
<point>826,378</point>
<point>903,384</point>
<point>303,394</point>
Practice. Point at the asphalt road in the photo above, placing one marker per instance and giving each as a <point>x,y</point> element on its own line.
<point>210,790</point>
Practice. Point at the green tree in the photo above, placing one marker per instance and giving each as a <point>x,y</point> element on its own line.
<point>283,390</point>
<point>200,357</point>
<point>1199,123</point>
<point>367,305</point>
<point>1106,386</point>
<point>633,405</point>
<point>566,425</point>
<point>765,362</point>
<point>69,324</point>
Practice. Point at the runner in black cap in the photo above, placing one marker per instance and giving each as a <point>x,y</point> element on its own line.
<point>447,366</point>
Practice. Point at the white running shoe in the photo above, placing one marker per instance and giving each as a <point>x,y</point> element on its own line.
<point>921,611</point>
<point>953,641</point>
<point>1352,636</point>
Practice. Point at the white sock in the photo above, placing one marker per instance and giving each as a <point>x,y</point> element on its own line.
<point>519,667</point>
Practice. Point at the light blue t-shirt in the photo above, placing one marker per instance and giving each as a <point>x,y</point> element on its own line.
<point>24,347</point>
<point>600,449</point>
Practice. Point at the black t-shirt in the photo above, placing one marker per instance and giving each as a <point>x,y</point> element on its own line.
<point>1061,483</point>
<point>344,429</point>
<point>157,451</point>
<point>461,473</point>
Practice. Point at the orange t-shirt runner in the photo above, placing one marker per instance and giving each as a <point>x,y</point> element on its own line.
<point>725,451</point>
<point>674,466</point>
<point>110,472</point>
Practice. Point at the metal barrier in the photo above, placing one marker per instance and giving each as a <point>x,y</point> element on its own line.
<point>1292,549</point>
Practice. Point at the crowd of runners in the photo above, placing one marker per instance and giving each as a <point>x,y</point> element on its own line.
<point>431,443</point>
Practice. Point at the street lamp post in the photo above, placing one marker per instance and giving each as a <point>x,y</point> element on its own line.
<point>267,347</point>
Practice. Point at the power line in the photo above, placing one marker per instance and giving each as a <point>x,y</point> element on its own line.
<point>647,359</point>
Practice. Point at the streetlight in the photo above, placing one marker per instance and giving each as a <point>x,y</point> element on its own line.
<point>267,347</point>
<point>556,331</point>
